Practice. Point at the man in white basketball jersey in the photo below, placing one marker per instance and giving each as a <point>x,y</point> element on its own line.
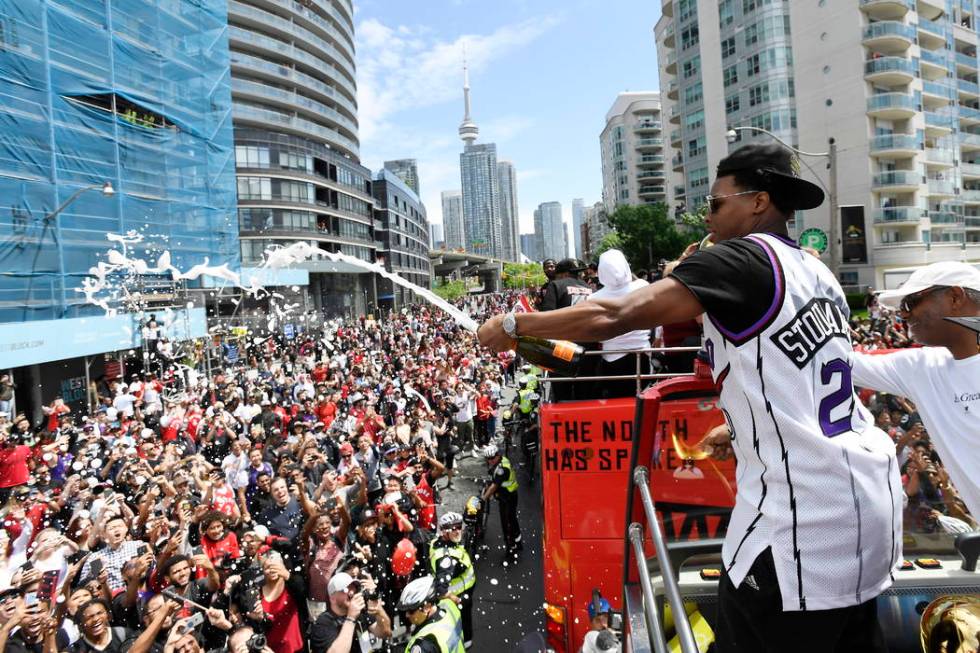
<point>815,532</point>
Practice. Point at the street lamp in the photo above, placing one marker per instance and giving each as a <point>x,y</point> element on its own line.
<point>107,191</point>
<point>831,156</point>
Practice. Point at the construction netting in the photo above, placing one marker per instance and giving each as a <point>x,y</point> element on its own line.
<point>136,93</point>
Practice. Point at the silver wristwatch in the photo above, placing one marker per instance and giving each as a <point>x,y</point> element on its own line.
<point>510,325</point>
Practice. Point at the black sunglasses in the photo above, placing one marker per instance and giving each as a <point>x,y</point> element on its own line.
<point>909,302</point>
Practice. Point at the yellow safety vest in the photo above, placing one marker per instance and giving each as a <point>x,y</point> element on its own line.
<point>511,483</point>
<point>447,630</point>
<point>459,584</point>
<point>524,401</point>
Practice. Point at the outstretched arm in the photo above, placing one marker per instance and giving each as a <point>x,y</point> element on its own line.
<point>664,302</point>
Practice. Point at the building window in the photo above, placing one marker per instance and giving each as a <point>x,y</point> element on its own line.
<point>254,188</point>
<point>698,178</point>
<point>686,9</point>
<point>693,93</point>
<point>726,13</point>
<point>689,37</point>
<point>766,30</point>
<point>732,103</point>
<point>769,59</point>
<point>752,5</point>
<point>692,66</point>
<point>696,147</point>
<point>730,75</point>
<point>694,120</point>
<point>728,47</point>
<point>776,89</point>
<point>248,156</point>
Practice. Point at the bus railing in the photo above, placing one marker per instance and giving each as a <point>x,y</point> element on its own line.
<point>638,376</point>
<point>685,635</point>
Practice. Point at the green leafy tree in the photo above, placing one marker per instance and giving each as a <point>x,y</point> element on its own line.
<point>523,275</point>
<point>609,241</point>
<point>692,224</point>
<point>451,290</point>
<point>647,234</point>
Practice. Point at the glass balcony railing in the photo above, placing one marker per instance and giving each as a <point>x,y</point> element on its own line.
<point>936,155</point>
<point>971,221</point>
<point>937,58</point>
<point>299,124</point>
<point>895,142</point>
<point>648,124</point>
<point>263,90</point>
<point>891,101</point>
<point>969,113</point>
<point>945,217</point>
<point>942,120</point>
<point>889,65</point>
<point>970,195</point>
<point>971,169</point>
<point>967,86</point>
<point>308,81</point>
<point>941,187</point>
<point>650,142</point>
<point>651,190</point>
<point>932,27</point>
<point>650,158</point>
<point>942,89</point>
<point>889,28</point>
<point>969,139</point>
<point>966,59</point>
<point>908,4</point>
<point>899,214</point>
<point>897,178</point>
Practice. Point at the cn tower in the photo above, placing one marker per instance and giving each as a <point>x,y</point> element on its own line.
<point>468,131</point>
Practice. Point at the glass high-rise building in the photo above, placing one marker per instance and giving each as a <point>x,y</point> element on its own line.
<point>481,199</point>
<point>632,147</point>
<point>403,234</point>
<point>509,218</point>
<point>452,219</point>
<point>407,170</point>
<point>296,141</point>
<point>550,231</point>
<point>136,94</point>
<point>578,219</point>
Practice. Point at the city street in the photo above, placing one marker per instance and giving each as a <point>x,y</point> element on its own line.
<point>509,594</point>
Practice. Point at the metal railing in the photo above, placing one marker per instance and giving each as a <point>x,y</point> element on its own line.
<point>682,624</point>
<point>639,377</point>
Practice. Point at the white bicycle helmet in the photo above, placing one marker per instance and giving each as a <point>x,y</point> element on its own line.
<point>450,519</point>
<point>491,451</point>
<point>416,594</point>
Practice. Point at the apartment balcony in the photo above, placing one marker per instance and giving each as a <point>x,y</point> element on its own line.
<point>968,115</point>
<point>971,222</point>
<point>968,142</point>
<point>906,252</point>
<point>890,71</point>
<point>968,61</point>
<point>650,176</point>
<point>970,196</point>
<point>674,117</point>
<point>677,163</point>
<point>946,219</point>
<point>647,126</point>
<point>669,36</point>
<point>899,215</point>
<point>941,188</point>
<point>897,181</point>
<point>938,123</point>
<point>970,170</point>
<point>892,106</point>
<point>895,146</point>
<point>680,191</point>
<point>670,66</point>
<point>967,89</point>
<point>933,64</point>
<point>938,158</point>
<point>667,7</point>
<point>941,90</point>
<point>672,90</point>
<point>889,36</point>
<point>932,35</point>
<point>931,9</point>
<point>887,9</point>
<point>676,137</point>
<point>647,144</point>
<point>648,160</point>
<point>651,191</point>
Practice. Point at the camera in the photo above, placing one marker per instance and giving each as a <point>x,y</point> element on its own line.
<point>256,643</point>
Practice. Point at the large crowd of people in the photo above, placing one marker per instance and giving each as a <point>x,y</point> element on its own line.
<point>286,500</point>
<point>290,500</point>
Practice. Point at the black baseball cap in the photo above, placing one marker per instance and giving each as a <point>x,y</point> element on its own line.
<point>775,169</point>
<point>570,265</point>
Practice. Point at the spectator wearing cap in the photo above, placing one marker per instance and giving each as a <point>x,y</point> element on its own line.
<point>942,378</point>
<point>567,288</point>
<point>350,621</point>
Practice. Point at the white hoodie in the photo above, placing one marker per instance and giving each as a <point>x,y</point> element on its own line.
<point>617,281</point>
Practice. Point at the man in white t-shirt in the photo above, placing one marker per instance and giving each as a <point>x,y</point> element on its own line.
<point>943,377</point>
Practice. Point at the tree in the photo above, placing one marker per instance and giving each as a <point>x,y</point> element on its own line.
<point>523,275</point>
<point>609,241</point>
<point>693,223</point>
<point>647,234</point>
<point>451,290</point>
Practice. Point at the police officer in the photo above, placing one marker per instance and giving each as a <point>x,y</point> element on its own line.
<point>453,568</point>
<point>523,401</point>
<point>503,485</point>
<point>437,622</point>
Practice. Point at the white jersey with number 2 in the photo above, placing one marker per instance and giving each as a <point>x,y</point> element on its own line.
<point>817,481</point>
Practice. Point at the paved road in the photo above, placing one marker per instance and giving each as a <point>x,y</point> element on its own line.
<point>509,594</point>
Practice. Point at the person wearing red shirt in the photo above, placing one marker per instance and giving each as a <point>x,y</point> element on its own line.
<point>218,542</point>
<point>320,372</point>
<point>283,633</point>
<point>481,421</point>
<point>54,412</point>
<point>326,410</point>
<point>14,468</point>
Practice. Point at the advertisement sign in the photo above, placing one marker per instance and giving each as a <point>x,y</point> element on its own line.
<point>854,242</point>
<point>815,239</point>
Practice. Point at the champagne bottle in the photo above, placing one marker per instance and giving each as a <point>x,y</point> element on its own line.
<point>559,356</point>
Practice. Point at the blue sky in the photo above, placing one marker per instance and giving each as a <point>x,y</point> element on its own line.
<point>543,74</point>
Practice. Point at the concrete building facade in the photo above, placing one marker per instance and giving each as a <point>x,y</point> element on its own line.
<point>632,147</point>
<point>893,83</point>
<point>402,230</point>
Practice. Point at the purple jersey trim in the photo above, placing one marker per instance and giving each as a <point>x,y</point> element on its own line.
<point>777,299</point>
<point>785,239</point>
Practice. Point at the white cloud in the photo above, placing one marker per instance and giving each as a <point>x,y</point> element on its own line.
<point>406,67</point>
<point>401,68</point>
